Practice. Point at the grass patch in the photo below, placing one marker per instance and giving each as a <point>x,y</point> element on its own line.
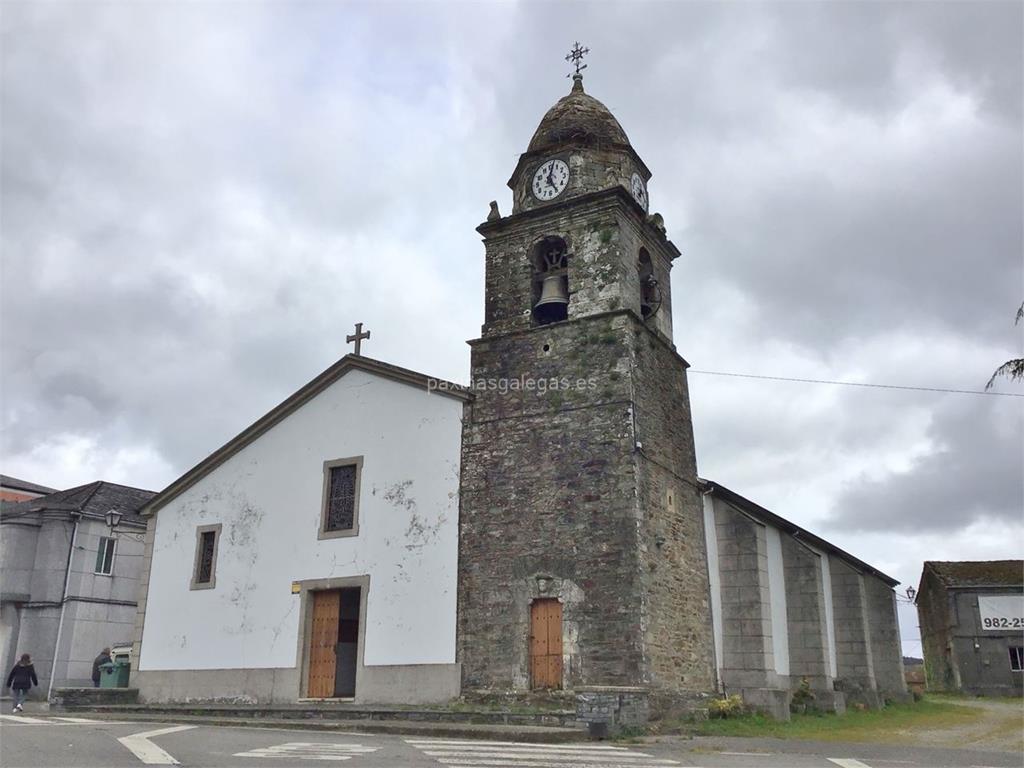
<point>890,724</point>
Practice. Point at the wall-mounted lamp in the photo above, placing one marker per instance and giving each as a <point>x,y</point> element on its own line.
<point>113,517</point>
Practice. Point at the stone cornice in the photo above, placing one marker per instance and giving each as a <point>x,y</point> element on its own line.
<point>604,199</point>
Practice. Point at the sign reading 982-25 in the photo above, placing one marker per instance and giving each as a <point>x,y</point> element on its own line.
<point>1000,612</point>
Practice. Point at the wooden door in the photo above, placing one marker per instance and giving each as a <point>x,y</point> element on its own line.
<point>323,639</point>
<point>546,644</point>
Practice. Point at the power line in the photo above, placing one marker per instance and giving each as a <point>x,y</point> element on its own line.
<point>860,384</point>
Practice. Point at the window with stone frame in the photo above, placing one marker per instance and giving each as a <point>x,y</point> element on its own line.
<point>204,569</point>
<point>105,556</point>
<point>340,513</point>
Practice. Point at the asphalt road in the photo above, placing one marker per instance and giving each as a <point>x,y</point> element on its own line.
<point>44,741</point>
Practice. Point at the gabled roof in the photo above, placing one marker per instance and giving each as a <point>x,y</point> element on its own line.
<point>427,384</point>
<point>15,484</point>
<point>976,573</point>
<point>755,510</point>
<point>92,499</point>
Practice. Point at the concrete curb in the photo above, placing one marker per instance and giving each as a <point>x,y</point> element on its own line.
<point>523,733</point>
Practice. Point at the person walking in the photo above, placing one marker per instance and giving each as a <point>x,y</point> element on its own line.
<point>103,658</point>
<point>22,677</point>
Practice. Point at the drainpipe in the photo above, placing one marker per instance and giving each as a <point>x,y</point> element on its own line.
<point>76,516</point>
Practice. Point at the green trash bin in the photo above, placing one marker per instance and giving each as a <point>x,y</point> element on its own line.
<point>114,674</point>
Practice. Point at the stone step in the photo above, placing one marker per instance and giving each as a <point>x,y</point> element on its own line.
<point>336,712</point>
<point>448,730</point>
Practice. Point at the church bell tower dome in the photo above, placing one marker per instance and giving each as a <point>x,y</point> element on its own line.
<point>578,148</point>
<point>577,118</point>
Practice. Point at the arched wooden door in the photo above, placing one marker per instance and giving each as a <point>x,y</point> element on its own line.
<point>546,644</point>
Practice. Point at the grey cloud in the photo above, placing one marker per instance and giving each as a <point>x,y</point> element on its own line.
<point>199,200</point>
<point>973,475</point>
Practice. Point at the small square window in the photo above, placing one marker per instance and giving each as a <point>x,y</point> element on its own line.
<point>340,513</point>
<point>204,571</point>
<point>105,556</point>
<point>1017,658</point>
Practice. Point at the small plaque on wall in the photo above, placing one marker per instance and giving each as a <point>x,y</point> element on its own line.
<point>296,587</point>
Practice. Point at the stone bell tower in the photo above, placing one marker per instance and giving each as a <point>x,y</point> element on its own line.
<point>581,547</point>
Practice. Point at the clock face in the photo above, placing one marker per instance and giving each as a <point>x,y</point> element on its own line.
<point>636,186</point>
<point>550,179</point>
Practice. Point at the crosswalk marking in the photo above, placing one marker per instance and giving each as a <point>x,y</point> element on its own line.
<point>26,720</point>
<point>22,719</point>
<point>310,750</point>
<point>512,754</point>
<point>847,762</point>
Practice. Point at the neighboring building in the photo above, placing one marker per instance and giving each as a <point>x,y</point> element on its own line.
<point>13,489</point>
<point>313,556</point>
<point>972,626</point>
<point>560,502</point>
<point>69,582</point>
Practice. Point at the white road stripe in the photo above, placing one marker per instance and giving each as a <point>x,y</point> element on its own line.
<point>542,763</point>
<point>139,744</point>
<point>847,762</point>
<point>23,719</point>
<point>473,743</point>
<point>617,759</point>
<point>513,754</point>
<point>529,747</point>
<point>310,750</point>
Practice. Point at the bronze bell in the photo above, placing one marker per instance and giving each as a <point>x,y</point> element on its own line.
<point>554,300</point>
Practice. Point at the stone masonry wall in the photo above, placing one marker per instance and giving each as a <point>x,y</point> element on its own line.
<point>805,613</point>
<point>677,608</point>
<point>746,612</point>
<point>603,233</point>
<point>554,491</point>
<point>933,617</point>
<point>886,650</point>
<point>547,496</point>
<point>855,673</point>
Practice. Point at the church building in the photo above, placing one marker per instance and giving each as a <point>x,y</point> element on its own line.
<point>385,537</point>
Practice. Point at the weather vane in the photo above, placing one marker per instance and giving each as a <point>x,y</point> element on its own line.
<point>576,56</point>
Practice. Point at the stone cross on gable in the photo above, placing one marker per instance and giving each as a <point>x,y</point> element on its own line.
<point>357,337</point>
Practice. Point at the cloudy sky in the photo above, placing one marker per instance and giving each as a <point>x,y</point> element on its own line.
<point>200,199</point>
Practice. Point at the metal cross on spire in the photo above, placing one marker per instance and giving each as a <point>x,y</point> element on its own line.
<point>575,58</point>
<point>357,337</point>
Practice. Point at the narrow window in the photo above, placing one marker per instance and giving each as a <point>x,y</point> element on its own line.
<point>105,556</point>
<point>340,514</point>
<point>1016,658</point>
<point>204,572</point>
<point>650,294</point>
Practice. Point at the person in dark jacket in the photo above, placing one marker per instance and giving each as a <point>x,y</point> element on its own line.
<point>103,658</point>
<point>22,677</point>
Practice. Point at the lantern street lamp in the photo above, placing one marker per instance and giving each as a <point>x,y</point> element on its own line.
<point>113,517</point>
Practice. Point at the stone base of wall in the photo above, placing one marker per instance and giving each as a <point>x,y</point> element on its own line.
<point>607,710</point>
<point>87,697</point>
<point>830,701</point>
<point>392,684</point>
<point>858,693</point>
<point>771,701</point>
